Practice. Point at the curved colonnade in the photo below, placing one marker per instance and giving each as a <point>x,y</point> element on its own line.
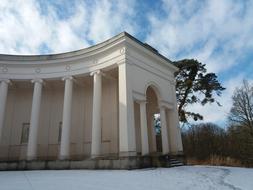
<point>115,117</point>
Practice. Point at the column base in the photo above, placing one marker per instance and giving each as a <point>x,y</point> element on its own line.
<point>95,156</point>
<point>31,158</point>
<point>63,157</point>
<point>145,154</point>
<point>127,154</point>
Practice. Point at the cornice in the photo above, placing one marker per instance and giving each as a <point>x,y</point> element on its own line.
<point>68,56</point>
<point>84,61</point>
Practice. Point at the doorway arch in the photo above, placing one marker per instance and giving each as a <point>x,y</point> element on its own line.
<point>149,138</point>
<point>154,133</point>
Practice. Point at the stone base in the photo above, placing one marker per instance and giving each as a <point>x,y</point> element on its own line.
<point>134,162</point>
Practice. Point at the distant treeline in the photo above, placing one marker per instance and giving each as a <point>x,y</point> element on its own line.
<point>208,143</point>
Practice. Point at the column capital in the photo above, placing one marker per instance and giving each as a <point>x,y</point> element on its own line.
<point>67,78</point>
<point>96,72</point>
<point>121,62</point>
<point>7,81</point>
<point>141,102</point>
<point>40,81</point>
<point>137,96</point>
<point>165,105</point>
<point>161,105</point>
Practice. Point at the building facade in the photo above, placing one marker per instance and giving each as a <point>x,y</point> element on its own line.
<point>98,103</point>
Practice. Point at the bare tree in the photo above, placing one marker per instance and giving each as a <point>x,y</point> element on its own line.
<point>203,140</point>
<point>241,113</point>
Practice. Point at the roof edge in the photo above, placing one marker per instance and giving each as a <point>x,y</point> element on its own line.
<point>42,57</point>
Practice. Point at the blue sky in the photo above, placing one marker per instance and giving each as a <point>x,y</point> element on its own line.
<point>218,33</point>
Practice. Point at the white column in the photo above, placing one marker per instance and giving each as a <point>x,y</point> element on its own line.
<point>3,98</point>
<point>144,129</point>
<point>127,141</point>
<point>164,131</point>
<point>174,132</point>
<point>176,123</point>
<point>66,119</point>
<point>153,132</point>
<point>34,121</point>
<point>96,114</point>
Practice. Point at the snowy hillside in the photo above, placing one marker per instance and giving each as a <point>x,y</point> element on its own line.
<point>185,177</point>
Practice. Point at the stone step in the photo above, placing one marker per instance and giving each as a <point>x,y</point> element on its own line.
<point>176,165</point>
<point>174,162</point>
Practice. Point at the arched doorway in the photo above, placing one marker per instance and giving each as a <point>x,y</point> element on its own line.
<point>153,114</point>
<point>148,132</point>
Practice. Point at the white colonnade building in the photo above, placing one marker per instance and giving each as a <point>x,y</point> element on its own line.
<point>95,104</point>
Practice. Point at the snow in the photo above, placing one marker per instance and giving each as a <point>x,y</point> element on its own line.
<point>185,177</point>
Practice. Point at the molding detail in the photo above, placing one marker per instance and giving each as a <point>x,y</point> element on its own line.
<point>37,70</point>
<point>67,67</point>
<point>95,61</point>
<point>122,50</point>
<point>5,69</point>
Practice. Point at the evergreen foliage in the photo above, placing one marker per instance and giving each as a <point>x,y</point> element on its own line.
<point>195,85</point>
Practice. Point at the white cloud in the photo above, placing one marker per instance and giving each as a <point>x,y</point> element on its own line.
<point>211,31</point>
<point>24,28</point>
<point>109,17</point>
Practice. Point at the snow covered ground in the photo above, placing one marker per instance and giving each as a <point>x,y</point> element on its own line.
<point>185,177</point>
